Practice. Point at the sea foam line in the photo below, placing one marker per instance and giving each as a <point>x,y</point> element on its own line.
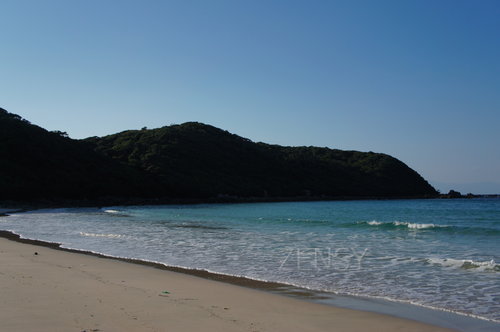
<point>111,211</point>
<point>111,236</point>
<point>403,223</point>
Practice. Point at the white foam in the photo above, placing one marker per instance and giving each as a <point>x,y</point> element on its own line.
<point>374,223</point>
<point>417,226</point>
<point>468,264</point>
<point>111,236</point>
<point>404,223</point>
<point>111,211</point>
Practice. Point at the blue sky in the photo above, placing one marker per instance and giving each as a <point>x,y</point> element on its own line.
<point>419,80</point>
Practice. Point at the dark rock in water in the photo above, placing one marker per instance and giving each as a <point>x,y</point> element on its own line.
<point>452,194</point>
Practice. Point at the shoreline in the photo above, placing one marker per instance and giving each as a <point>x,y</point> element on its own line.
<point>414,313</point>
<point>56,290</point>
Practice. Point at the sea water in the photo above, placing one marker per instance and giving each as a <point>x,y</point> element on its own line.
<point>442,254</point>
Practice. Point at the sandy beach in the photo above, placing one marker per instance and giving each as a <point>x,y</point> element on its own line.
<point>44,289</point>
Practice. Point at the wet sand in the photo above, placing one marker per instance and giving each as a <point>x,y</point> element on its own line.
<point>45,289</point>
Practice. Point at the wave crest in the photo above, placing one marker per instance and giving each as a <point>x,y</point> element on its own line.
<point>403,224</point>
<point>467,264</point>
<point>111,211</point>
<point>115,213</point>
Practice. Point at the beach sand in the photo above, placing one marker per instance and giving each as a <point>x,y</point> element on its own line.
<point>55,290</point>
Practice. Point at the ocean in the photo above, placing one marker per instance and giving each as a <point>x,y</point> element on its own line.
<point>434,253</point>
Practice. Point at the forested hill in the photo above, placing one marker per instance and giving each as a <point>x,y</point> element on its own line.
<point>37,164</point>
<point>188,161</point>
<point>205,161</point>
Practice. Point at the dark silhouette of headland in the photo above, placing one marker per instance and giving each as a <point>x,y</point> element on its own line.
<point>190,162</point>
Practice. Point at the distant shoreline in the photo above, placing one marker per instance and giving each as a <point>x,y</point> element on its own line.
<point>130,201</point>
<point>24,205</point>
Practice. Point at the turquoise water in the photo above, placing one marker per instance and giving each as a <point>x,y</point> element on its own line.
<point>442,254</point>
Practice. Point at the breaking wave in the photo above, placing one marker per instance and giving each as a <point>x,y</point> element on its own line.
<point>111,211</point>
<point>469,230</point>
<point>399,224</point>
<point>467,264</point>
<point>115,213</point>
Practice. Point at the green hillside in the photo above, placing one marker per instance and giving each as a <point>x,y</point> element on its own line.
<point>188,161</point>
<point>204,161</point>
<point>38,164</point>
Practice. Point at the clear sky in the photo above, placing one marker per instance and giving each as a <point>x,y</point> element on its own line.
<point>416,79</point>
